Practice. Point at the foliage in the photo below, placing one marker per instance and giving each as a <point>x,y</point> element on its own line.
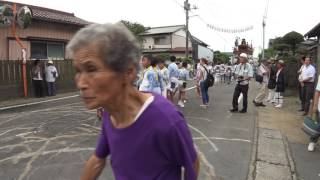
<point>286,48</point>
<point>189,60</point>
<point>221,57</point>
<point>164,56</point>
<point>293,39</point>
<point>135,28</point>
<point>270,52</point>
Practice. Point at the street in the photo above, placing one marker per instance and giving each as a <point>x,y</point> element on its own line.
<point>53,140</point>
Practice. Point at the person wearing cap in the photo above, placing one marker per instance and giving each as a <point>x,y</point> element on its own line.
<point>308,73</point>
<point>243,74</point>
<point>280,84</point>
<point>263,71</point>
<point>51,76</point>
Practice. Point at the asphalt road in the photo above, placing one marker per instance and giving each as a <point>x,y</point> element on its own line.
<point>53,140</point>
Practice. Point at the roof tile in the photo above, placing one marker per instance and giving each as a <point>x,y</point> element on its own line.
<point>51,15</point>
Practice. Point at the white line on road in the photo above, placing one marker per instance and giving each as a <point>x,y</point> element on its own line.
<point>220,138</point>
<point>205,137</point>
<point>200,118</point>
<point>188,89</point>
<point>39,102</point>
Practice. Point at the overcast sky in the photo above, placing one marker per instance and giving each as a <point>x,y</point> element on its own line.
<point>283,16</point>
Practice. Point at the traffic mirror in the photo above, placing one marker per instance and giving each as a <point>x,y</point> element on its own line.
<point>6,16</point>
<point>24,17</point>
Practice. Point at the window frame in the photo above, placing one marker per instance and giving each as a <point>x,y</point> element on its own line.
<point>47,49</point>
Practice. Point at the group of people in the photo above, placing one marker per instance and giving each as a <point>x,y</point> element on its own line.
<point>270,75</point>
<point>272,83</point>
<point>272,87</point>
<point>44,78</point>
<point>307,92</point>
<point>155,77</point>
<point>223,73</point>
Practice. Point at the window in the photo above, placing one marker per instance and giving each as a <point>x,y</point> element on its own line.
<point>38,50</point>
<point>47,50</point>
<point>55,51</point>
<point>163,40</point>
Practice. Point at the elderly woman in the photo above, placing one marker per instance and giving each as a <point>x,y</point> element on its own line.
<point>145,136</point>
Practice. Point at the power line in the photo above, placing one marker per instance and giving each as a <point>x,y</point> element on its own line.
<point>178,3</point>
<point>202,20</point>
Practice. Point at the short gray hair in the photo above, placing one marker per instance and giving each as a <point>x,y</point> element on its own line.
<point>117,46</point>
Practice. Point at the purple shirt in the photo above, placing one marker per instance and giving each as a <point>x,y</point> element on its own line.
<point>155,146</point>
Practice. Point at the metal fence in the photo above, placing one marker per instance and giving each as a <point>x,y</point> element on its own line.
<point>11,83</point>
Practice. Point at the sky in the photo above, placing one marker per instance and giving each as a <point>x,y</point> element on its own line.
<point>282,16</point>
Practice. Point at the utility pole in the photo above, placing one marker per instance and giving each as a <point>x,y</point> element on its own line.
<point>187,9</point>
<point>264,27</point>
<point>263,36</point>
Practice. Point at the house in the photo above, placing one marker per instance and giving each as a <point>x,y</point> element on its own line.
<point>313,37</point>
<point>172,40</point>
<point>45,38</point>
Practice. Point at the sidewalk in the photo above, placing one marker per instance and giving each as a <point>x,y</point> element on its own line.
<point>25,101</point>
<point>280,150</point>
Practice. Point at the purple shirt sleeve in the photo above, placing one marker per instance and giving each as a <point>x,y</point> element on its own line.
<point>179,149</point>
<point>102,149</point>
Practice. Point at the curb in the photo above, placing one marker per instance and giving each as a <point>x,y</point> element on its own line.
<point>289,157</point>
<point>252,167</point>
<point>19,105</point>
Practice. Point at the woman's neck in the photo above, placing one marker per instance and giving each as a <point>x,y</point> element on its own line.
<point>125,107</point>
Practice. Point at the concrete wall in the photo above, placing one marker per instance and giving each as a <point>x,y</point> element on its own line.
<point>149,41</point>
<point>179,39</point>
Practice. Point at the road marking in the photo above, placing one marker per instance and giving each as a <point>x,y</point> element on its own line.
<point>39,102</point>
<point>188,89</point>
<point>205,137</point>
<point>200,118</point>
<point>221,138</point>
<point>24,134</point>
<point>41,152</point>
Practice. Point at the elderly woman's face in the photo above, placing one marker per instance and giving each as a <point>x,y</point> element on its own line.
<point>97,83</point>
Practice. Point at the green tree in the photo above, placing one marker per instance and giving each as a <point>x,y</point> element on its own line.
<point>270,53</point>
<point>135,28</point>
<point>221,57</point>
<point>164,56</point>
<point>293,39</point>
